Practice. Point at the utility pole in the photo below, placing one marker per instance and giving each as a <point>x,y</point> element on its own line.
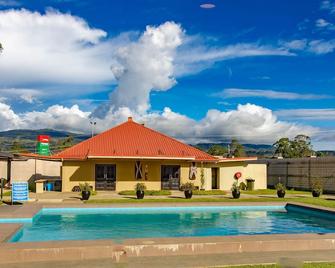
<point>93,124</point>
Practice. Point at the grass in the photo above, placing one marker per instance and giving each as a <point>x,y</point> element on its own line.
<point>8,193</point>
<point>273,192</point>
<point>147,192</point>
<point>209,192</point>
<point>305,200</point>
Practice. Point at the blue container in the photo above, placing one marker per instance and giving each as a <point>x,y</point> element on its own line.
<point>50,186</point>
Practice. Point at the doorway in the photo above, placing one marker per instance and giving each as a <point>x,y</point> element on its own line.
<point>105,177</point>
<point>170,177</point>
<point>215,178</point>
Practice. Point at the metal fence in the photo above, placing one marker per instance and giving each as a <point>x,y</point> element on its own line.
<point>300,173</point>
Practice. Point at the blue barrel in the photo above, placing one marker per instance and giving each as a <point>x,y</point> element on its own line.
<point>50,186</point>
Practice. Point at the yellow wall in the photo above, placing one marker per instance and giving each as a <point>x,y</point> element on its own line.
<point>75,172</point>
<point>254,171</point>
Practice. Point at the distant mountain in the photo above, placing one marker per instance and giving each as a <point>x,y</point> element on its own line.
<point>261,150</point>
<point>27,138</point>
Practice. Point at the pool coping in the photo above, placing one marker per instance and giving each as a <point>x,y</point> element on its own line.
<point>92,249</point>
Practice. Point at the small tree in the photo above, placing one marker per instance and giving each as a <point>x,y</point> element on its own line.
<point>217,149</point>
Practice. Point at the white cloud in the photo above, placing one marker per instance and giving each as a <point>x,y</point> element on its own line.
<point>317,47</point>
<point>321,46</point>
<point>51,48</point>
<point>328,5</point>
<point>269,94</point>
<point>21,94</point>
<point>9,3</point>
<point>323,24</point>
<point>307,114</point>
<point>144,66</point>
<point>195,58</point>
<point>249,123</point>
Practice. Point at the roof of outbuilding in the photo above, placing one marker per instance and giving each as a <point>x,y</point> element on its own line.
<point>133,140</point>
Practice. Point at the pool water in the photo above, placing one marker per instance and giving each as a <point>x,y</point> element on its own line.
<point>127,223</point>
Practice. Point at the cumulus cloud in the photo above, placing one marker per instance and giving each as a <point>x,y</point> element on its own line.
<point>249,123</point>
<point>144,66</point>
<point>53,48</point>
<point>269,94</point>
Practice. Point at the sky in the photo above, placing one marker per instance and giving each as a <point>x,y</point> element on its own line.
<point>200,71</point>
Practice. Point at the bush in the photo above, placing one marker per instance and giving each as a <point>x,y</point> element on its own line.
<point>147,192</point>
<point>188,186</point>
<point>140,187</point>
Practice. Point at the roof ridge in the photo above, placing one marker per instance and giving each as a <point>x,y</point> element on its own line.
<point>172,138</point>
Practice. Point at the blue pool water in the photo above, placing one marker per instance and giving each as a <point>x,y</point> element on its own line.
<point>126,223</point>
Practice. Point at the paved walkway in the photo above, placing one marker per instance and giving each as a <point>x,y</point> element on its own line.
<point>287,259</point>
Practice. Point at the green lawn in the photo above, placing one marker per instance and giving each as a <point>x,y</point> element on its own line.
<point>274,192</point>
<point>147,192</point>
<point>209,192</point>
<point>305,200</point>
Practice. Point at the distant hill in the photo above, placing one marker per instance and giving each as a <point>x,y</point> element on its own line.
<point>27,138</point>
<point>261,150</point>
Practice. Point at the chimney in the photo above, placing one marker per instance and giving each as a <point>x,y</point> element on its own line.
<point>130,119</point>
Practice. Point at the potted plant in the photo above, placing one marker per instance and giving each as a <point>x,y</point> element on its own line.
<point>281,190</point>
<point>317,188</point>
<point>140,188</point>
<point>85,190</point>
<point>188,188</point>
<point>235,190</point>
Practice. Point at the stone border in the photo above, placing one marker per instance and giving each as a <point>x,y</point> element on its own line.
<point>96,249</point>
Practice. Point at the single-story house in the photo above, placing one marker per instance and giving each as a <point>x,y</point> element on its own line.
<point>120,157</point>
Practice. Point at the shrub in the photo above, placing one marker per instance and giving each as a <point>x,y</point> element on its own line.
<point>85,187</point>
<point>235,187</point>
<point>280,187</point>
<point>188,186</point>
<point>243,186</point>
<point>140,186</point>
<point>317,186</point>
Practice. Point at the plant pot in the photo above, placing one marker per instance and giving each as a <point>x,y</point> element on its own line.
<point>188,194</point>
<point>85,195</point>
<point>236,194</point>
<point>140,194</point>
<point>316,193</point>
<point>281,193</point>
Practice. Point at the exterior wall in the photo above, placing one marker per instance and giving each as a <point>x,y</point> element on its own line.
<point>3,169</point>
<point>75,172</point>
<point>25,170</point>
<point>249,170</point>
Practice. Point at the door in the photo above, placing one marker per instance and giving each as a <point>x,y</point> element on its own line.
<point>215,178</point>
<point>105,177</point>
<point>170,177</point>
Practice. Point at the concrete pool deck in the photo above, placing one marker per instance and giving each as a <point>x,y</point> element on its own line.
<point>151,247</point>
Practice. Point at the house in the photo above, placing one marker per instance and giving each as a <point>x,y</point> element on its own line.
<point>129,153</point>
<point>29,167</point>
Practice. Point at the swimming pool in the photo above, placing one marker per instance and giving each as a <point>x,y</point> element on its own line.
<point>127,223</point>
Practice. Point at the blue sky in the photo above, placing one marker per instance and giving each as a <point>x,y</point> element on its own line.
<point>269,66</point>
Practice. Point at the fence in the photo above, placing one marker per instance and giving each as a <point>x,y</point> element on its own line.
<point>300,173</point>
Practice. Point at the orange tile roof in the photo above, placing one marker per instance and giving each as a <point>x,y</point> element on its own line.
<point>133,140</point>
